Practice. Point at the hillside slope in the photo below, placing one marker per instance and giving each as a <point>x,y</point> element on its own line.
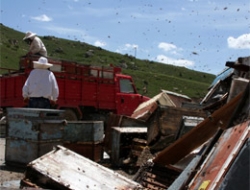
<point>155,76</point>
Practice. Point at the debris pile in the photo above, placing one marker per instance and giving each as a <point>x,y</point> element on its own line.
<point>168,142</point>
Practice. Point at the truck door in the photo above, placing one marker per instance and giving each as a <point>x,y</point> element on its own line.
<point>127,97</point>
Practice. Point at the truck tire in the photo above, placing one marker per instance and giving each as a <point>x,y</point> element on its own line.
<point>70,115</point>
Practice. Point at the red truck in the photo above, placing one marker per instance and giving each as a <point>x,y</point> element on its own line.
<point>86,92</point>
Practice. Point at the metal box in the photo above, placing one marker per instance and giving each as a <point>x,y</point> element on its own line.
<point>84,131</point>
<point>21,152</point>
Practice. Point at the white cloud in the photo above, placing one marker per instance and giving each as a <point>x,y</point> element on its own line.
<point>166,46</point>
<point>128,48</point>
<point>242,42</point>
<point>131,46</point>
<point>173,50</point>
<point>172,61</point>
<point>99,43</point>
<point>43,18</point>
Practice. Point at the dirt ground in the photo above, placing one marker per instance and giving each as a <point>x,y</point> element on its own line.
<point>10,176</point>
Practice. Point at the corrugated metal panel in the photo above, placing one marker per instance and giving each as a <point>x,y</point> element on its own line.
<point>221,157</point>
<point>227,72</point>
<point>64,169</point>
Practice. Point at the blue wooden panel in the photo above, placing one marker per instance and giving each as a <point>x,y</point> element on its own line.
<point>35,113</point>
<point>83,131</point>
<point>22,151</point>
<point>35,124</point>
<point>35,129</point>
<point>23,129</point>
<point>51,130</point>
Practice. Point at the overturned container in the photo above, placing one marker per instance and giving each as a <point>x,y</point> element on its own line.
<point>65,169</point>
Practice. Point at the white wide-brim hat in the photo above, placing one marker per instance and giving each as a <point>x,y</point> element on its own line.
<point>29,35</point>
<point>42,63</point>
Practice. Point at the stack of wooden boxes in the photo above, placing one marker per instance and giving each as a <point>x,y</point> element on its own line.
<point>85,138</point>
<point>30,133</point>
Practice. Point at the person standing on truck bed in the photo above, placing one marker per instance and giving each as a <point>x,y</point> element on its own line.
<point>41,89</point>
<point>36,45</point>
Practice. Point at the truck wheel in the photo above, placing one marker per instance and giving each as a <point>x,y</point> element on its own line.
<point>70,115</point>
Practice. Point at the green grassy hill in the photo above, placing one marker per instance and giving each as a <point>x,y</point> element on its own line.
<point>156,75</point>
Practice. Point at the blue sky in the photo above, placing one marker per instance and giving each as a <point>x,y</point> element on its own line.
<point>198,34</point>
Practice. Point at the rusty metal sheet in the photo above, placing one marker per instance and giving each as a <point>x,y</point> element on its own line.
<point>238,174</point>
<point>221,158</point>
<point>64,169</point>
<point>198,135</point>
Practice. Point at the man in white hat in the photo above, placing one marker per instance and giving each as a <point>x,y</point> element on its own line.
<point>36,45</point>
<point>40,89</point>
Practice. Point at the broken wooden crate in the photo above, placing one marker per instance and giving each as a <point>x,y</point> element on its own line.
<point>166,125</point>
<point>119,121</point>
<point>122,140</point>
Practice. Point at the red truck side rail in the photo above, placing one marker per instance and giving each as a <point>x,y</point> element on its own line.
<point>84,90</point>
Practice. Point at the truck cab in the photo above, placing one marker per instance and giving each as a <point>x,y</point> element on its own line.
<point>127,99</point>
